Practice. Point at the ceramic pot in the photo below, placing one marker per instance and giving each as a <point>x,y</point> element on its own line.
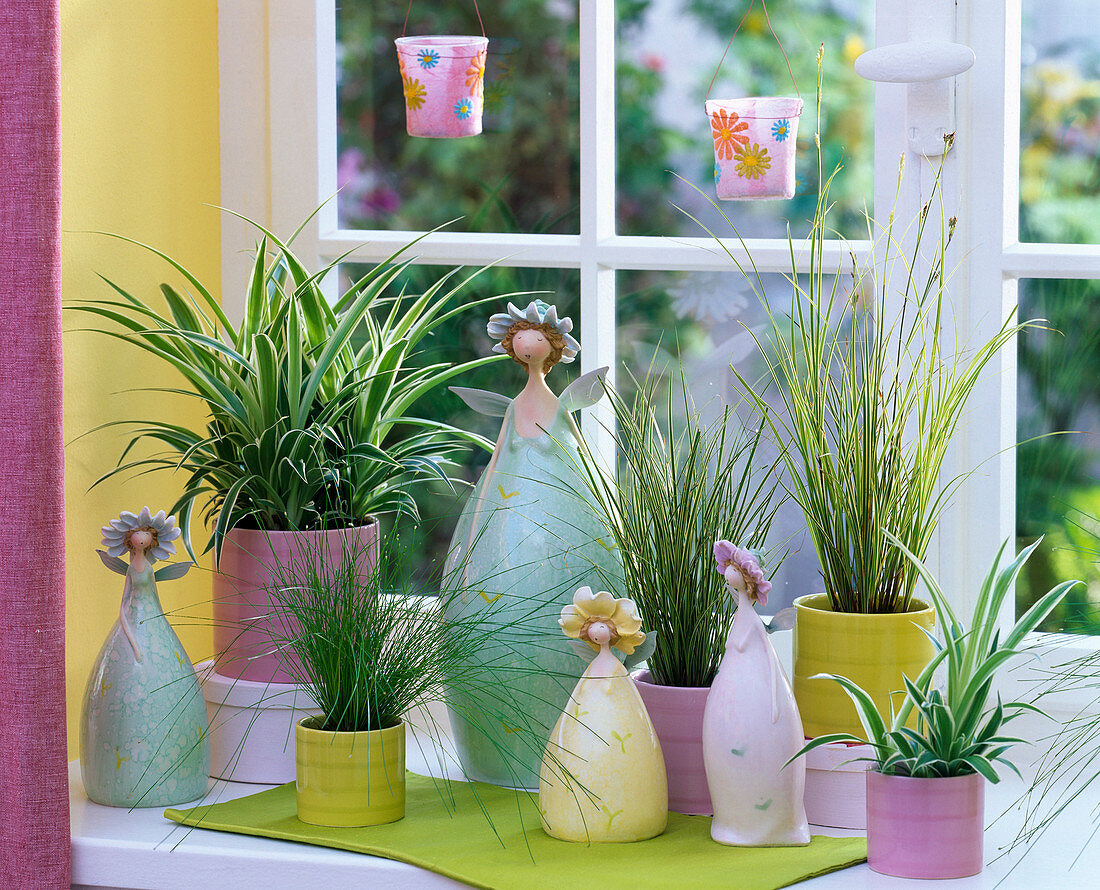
<point>444,83</point>
<point>242,593</point>
<point>677,715</point>
<point>349,779</point>
<point>754,146</point>
<point>874,651</point>
<point>836,785</point>
<point>925,828</point>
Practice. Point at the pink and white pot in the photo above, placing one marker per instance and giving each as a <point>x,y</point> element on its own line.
<point>243,586</point>
<point>754,146</point>
<point>443,79</point>
<point>677,716</point>
<point>925,828</point>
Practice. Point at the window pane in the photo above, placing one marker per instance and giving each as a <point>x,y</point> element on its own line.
<point>519,175</point>
<point>703,320</point>
<point>1060,122</point>
<point>667,54</point>
<point>462,339</point>
<point>1058,476</point>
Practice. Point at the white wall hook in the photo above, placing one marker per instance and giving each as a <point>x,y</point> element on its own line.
<point>917,61</point>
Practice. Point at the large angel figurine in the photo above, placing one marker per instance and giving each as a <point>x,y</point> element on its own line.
<point>143,733</point>
<point>525,541</point>
<point>751,727</point>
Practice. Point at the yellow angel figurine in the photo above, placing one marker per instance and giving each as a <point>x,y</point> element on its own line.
<point>603,775</point>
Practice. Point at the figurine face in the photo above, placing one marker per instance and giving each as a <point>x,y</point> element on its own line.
<point>140,540</point>
<point>735,580</point>
<point>531,347</point>
<point>599,633</point>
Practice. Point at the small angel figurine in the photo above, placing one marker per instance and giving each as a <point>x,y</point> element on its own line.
<point>751,726</point>
<point>143,733</point>
<point>603,774</point>
<point>525,540</point>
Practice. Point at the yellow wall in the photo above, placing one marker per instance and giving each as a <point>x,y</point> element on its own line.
<point>139,94</point>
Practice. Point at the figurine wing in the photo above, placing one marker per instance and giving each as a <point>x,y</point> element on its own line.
<point>491,404</point>
<point>173,571</point>
<point>641,653</point>
<point>113,562</point>
<point>584,392</point>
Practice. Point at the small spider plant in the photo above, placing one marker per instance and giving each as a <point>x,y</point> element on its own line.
<point>960,729</point>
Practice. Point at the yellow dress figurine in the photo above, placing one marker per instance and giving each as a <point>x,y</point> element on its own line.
<point>603,775</point>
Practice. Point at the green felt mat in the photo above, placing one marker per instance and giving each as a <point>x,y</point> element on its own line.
<point>453,838</point>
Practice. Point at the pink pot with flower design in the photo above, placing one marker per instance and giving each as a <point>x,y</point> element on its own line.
<point>443,79</point>
<point>754,146</point>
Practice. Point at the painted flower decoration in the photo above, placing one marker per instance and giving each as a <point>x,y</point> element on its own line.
<point>620,616</point>
<point>414,93</point>
<point>475,74</point>
<point>729,555</point>
<point>537,312</point>
<point>116,533</point>
<point>464,108</point>
<point>781,130</point>
<point>727,127</point>
<point>752,162</point>
<point>717,173</point>
<point>428,58</point>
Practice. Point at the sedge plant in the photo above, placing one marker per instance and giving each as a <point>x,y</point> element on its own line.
<point>680,486</point>
<point>310,406</point>
<point>960,729</point>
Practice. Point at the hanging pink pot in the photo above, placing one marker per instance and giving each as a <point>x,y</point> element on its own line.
<point>444,84</point>
<point>925,828</point>
<point>754,146</point>
<point>677,716</point>
<point>243,612</point>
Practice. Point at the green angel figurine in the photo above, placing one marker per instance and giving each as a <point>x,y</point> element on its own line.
<point>525,541</point>
<point>143,729</point>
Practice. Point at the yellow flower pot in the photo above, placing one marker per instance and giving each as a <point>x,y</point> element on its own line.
<point>349,778</point>
<point>874,651</point>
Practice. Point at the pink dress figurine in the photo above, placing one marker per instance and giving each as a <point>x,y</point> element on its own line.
<point>751,727</point>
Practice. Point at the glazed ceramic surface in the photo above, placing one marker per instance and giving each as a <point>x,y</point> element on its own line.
<point>750,730</point>
<point>677,715</point>
<point>925,828</point>
<point>754,146</point>
<point>523,544</point>
<point>242,593</point>
<point>349,778</point>
<point>603,775</point>
<point>143,733</point>
<point>836,785</point>
<point>874,651</point>
<point>443,79</point>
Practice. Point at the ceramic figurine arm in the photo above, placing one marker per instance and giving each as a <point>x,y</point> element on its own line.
<point>585,391</point>
<point>124,622</point>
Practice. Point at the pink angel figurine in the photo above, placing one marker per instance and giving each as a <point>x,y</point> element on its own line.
<point>751,726</point>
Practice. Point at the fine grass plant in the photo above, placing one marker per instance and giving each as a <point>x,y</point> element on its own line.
<point>310,406</point>
<point>680,486</point>
<point>960,728</point>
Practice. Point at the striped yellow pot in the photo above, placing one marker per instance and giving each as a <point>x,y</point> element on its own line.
<point>874,651</point>
<point>349,778</point>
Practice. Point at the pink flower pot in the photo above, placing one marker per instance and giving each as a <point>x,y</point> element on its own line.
<point>443,79</point>
<point>242,594</point>
<point>925,828</point>
<point>754,146</point>
<point>836,785</point>
<point>677,715</point>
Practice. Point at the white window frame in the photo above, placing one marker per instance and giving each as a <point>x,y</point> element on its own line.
<point>278,163</point>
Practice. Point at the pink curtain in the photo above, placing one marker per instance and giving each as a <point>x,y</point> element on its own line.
<point>34,807</point>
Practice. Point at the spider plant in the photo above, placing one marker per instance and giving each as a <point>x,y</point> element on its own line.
<point>310,404</point>
<point>675,494</point>
<point>960,730</point>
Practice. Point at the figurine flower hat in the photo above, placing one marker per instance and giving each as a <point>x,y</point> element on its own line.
<point>741,569</point>
<point>536,314</point>
<point>116,534</point>
<point>619,616</point>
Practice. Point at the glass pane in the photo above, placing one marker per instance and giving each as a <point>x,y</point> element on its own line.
<point>706,321</point>
<point>519,175</point>
<point>667,55</point>
<point>1060,122</point>
<point>1058,460</point>
<point>464,338</point>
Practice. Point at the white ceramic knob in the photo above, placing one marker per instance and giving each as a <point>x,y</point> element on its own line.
<point>915,62</point>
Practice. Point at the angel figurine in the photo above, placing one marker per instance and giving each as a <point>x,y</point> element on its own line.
<point>525,540</point>
<point>603,774</point>
<point>143,727</point>
<point>751,726</point>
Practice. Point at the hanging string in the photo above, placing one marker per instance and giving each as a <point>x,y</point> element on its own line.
<point>405,27</point>
<point>768,19</point>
